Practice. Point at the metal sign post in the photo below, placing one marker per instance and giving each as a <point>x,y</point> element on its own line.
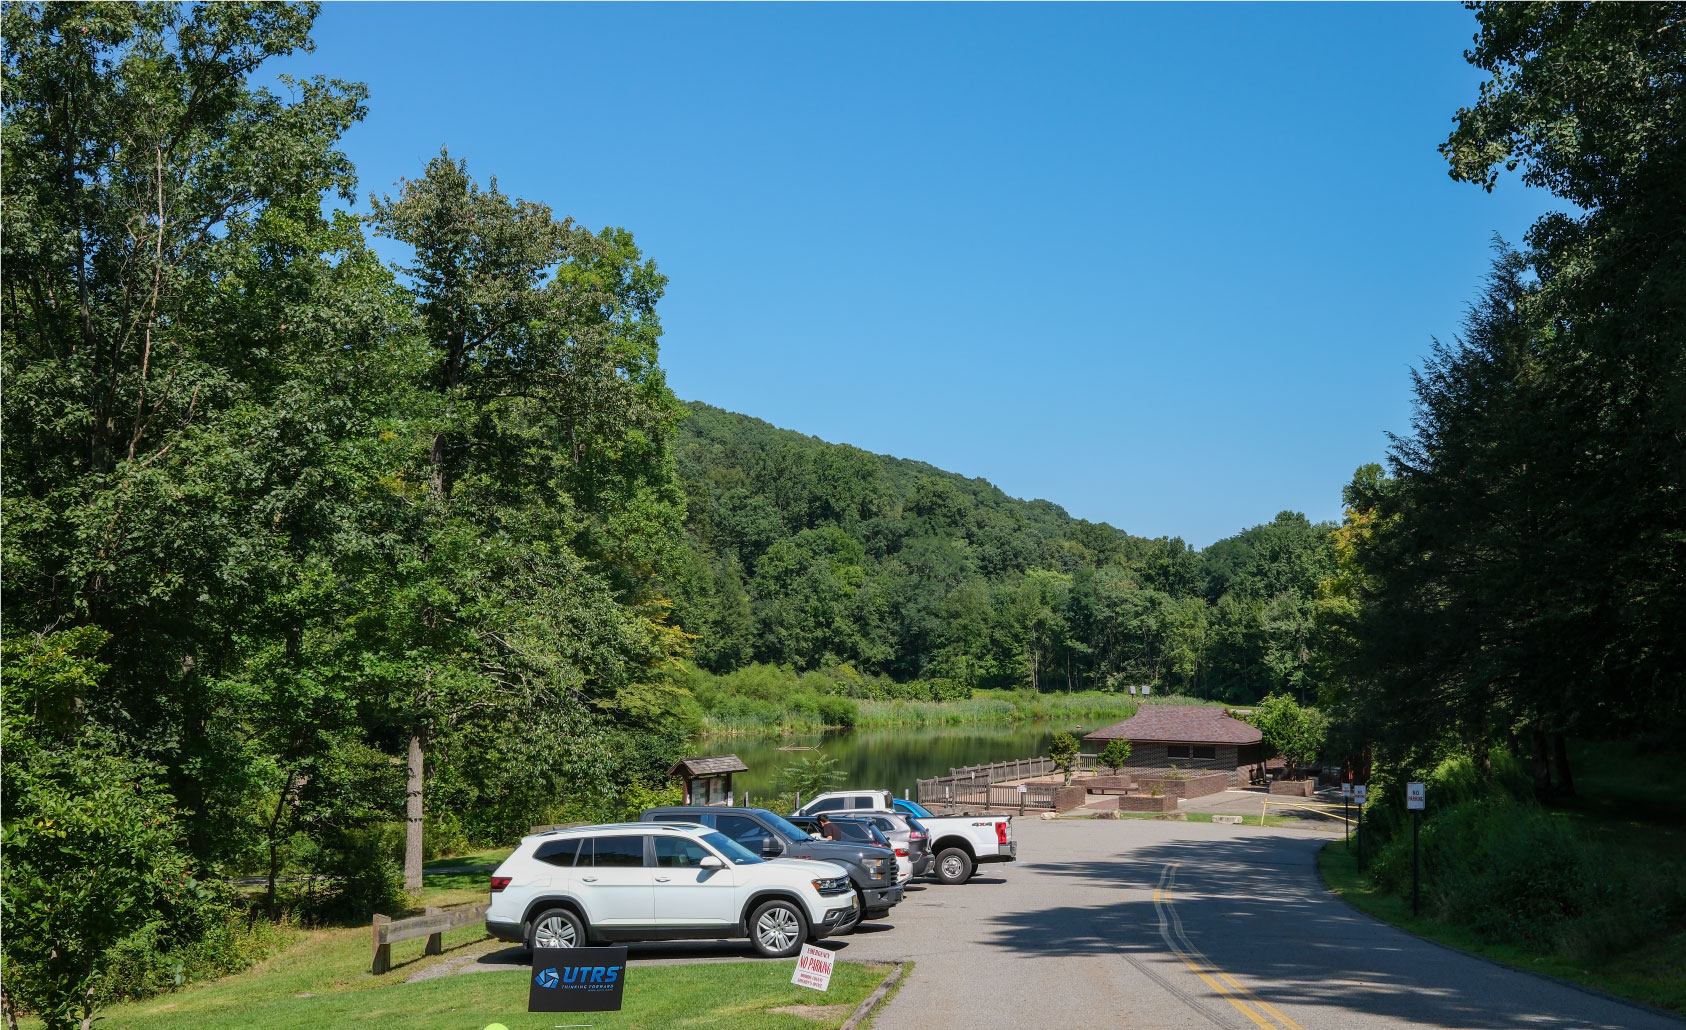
<point>1346,802</point>
<point>1360,793</point>
<point>1416,799</point>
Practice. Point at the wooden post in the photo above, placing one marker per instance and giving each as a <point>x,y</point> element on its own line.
<point>435,941</point>
<point>383,952</point>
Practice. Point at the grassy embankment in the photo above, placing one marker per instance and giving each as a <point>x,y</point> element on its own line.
<point>1592,890</point>
<point>765,699</point>
<point>321,978</point>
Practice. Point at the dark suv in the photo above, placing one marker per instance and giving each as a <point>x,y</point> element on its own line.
<point>872,869</point>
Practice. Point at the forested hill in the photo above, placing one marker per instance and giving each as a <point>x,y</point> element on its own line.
<point>813,554</point>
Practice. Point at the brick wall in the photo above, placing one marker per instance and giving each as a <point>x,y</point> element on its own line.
<point>1147,754</point>
<point>1068,798</point>
<point>1191,787</point>
<point>1292,788</point>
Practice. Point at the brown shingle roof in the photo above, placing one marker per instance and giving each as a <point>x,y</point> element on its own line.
<point>1181,724</point>
<point>711,765</point>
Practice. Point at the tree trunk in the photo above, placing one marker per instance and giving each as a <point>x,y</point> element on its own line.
<point>275,846</point>
<point>413,818</point>
<point>1541,765</point>
<point>1560,766</point>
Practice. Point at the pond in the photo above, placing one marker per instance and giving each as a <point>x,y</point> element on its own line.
<point>889,759</point>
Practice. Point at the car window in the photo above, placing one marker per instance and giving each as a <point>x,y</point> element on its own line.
<point>853,831</point>
<point>737,853</point>
<point>558,852</point>
<point>744,830</point>
<point>917,809</point>
<point>679,852</point>
<point>828,805</point>
<point>866,801</point>
<point>884,824</point>
<point>916,826</point>
<point>616,851</point>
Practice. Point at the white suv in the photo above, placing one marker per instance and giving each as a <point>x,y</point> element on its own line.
<point>661,881</point>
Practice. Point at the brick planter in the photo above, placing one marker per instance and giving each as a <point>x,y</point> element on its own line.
<point>1293,788</point>
<point>1147,803</point>
<point>1068,798</point>
<point>1106,784</point>
<point>1192,787</point>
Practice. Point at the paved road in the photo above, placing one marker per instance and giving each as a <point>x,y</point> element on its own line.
<point>1166,924</point>
<point>1175,925</point>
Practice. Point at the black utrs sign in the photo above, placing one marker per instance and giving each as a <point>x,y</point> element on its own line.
<point>577,980</point>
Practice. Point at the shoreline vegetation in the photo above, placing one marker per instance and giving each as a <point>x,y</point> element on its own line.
<point>770,700</point>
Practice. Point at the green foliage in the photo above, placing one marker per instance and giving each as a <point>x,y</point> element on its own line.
<point>637,797</point>
<point>1063,749</point>
<point>1518,568</point>
<point>272,512</point>
<point>812,774</point>
<point>1514,873</point>
<point>1295,733</point>
<point>815,555</point>
<point>93,855</point>
<point>1115,754</point>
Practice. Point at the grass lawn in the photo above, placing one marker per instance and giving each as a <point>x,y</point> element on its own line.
<point>1654,974</point>
<point>491,856</point>
<point>322,982</point>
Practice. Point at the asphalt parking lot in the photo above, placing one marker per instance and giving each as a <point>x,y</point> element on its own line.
<point>1142,923</point>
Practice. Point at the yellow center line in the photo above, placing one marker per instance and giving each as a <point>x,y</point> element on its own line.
<point>1261,1003</point>
<point>1194,959</point>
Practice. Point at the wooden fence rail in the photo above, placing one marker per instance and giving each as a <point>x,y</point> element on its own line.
<point>981,785</point>
<point>432,925</point>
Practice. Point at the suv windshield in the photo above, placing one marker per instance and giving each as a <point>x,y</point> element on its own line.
<point>737,853</point>
<point>781,824</point>
<point>916,808</point>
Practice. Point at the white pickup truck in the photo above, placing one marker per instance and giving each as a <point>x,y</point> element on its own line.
<point>960,843</point>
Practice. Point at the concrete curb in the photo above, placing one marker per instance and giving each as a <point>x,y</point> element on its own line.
<point>1598,992</point>
<point>865,1008</point>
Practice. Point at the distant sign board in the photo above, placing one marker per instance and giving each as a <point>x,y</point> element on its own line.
<point>1346,790</point>
<point>1132,690</point>
<point>1023,789</point>
<point>1147,690</point>
<point>1416,797</point>
<point>813,968</point>
<point>577,980</point>
<point>1359,791</point>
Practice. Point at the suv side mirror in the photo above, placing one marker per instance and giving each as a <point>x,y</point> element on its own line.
<point>711,863</point>
<point>769,846</point>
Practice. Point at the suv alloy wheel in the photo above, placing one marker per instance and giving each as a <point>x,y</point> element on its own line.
<point>778,929</point>
<point>556,928</point>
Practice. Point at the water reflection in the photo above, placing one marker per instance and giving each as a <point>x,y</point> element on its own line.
<point>889,759</point>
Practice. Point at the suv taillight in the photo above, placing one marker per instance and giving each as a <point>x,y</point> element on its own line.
<point>901,852</point>
<point>1000,833</point>
<point>499,883</point>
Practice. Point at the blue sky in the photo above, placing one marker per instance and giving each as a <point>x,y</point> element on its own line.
<point>1167,266</point>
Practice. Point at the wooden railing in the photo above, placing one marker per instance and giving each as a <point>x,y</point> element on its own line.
<point>432,925</point>
<point>991,785</point>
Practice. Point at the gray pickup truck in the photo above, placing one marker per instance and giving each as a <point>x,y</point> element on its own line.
<point>871,869</point>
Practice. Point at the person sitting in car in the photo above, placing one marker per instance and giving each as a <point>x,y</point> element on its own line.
<point>828,830</point>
